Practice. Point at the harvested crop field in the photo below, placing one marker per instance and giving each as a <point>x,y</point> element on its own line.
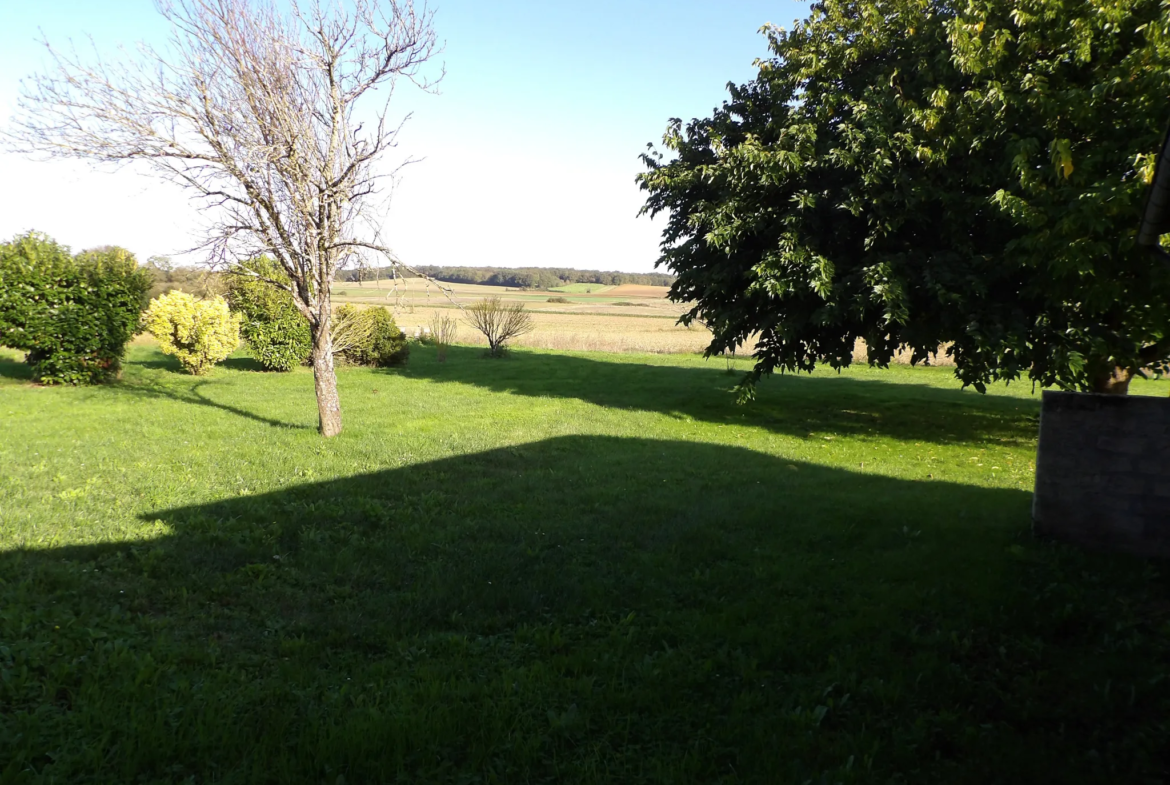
<point>584,332</point>
<point>638,290</point>
<point>582,288</point>
<point>628,318</point>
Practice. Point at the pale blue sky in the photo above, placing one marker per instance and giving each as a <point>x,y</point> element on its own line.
<point>530,148</point>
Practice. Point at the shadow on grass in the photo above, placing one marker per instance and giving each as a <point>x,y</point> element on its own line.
<point>792,404</point>
<point>577,609</point>
<point>191,394</point>
<point>165,362</point>
<point>14,367</point>
<point>244,363</point>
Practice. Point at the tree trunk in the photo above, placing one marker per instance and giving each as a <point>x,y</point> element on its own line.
<point>325,380</point>
<point>1112,382</point>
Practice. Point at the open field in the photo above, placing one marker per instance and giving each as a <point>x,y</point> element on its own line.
<point>555,567</point>
<point>638,290</point>
<point>627,318</point>
<point>586,332</point>
<point>582,288</point>
<point>641,319</point>
<point>415,293</point>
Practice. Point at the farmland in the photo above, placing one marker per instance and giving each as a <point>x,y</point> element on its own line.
<point>628,318</point>
<point>584,288</point>
<point>556,567</point>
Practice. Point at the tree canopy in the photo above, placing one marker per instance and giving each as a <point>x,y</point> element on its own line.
<point>955,175</point>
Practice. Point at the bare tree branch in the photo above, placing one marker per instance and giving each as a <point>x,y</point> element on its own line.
<point>252,107</point>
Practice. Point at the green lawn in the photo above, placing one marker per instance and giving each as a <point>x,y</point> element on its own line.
<point>555,568</point>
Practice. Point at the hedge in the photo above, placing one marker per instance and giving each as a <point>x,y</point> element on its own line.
<point>71,315</point>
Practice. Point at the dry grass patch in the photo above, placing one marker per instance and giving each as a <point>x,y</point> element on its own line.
<point>639,290</point>
<point>585,332</point>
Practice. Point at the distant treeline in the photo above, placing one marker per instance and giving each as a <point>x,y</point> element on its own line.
<point>198,281</point>
<point>519,277</point>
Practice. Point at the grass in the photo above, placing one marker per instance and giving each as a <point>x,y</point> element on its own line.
<point>555,568</point>
<point>582,288</point>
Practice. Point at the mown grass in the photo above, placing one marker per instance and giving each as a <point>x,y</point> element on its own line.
<point>555,568</point>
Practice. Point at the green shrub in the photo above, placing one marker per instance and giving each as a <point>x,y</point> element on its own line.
<point>368,336</point>
<point>199,332</point>
<point>277,333</point>
<point>559,300</point>
<point>71,315</point>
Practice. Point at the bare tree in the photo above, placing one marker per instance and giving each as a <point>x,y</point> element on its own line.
<point>499,322</point>
<point>443,330</point>
<point>274,115</point>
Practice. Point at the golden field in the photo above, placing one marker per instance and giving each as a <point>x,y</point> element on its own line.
<point>627,318</point>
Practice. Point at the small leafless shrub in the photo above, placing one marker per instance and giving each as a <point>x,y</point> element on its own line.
<point>350,330</point>
<point>499,322</point>
<point>443,329</point>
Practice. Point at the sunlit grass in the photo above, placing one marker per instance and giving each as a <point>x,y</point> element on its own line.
<point>555,568</point>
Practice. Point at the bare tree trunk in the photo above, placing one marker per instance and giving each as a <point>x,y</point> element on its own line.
<point>253,107</point>
<point>1113,382</point>
<point>325,380</point>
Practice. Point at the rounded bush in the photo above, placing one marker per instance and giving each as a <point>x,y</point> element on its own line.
<point>198,332</point>
<point>71,315</point>
<point>274,329</point>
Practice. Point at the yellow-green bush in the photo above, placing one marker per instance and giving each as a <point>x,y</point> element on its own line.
<point>199,332</point>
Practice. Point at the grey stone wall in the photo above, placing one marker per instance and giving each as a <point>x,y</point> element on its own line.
<point>1103,472</point>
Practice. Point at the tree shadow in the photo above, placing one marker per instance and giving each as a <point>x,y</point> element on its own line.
<point>161,362</point>
<point>191,394</point>
<point>166,362</point>
<point>553,609</point>
<point>244,363</point>
<point>15,368</point>
<point>796,405</point>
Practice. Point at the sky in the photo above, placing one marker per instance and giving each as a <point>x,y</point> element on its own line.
<point>528,152</point>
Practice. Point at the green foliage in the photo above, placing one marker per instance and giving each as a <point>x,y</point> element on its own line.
<point>72,315</point>
<point>368,336</point>
<point>926,174</point>
<point>199,333</point>
<point>167,277</point>
<point>275,330</point>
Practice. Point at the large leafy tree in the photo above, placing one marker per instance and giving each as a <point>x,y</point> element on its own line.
<point>932,174</point>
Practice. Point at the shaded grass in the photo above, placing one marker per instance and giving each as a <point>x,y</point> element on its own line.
<point>555,568</point>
